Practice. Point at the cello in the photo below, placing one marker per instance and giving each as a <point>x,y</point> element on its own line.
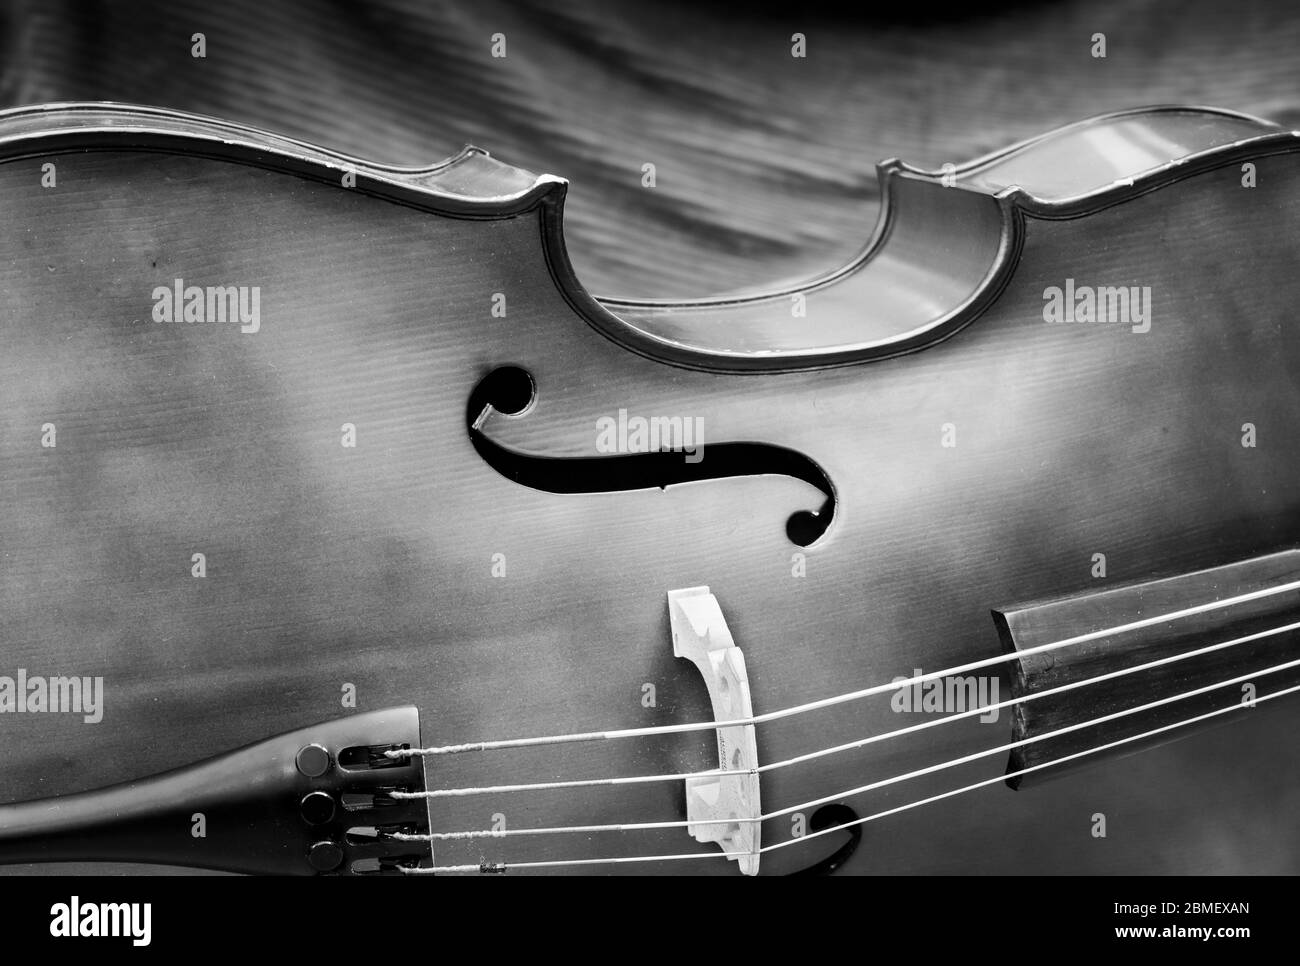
<point>339,465</point>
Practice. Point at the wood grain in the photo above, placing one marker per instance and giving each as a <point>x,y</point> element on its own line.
<point>373,567</point>
<point>765,162</point>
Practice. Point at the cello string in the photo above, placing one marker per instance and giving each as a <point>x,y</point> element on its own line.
<point>503,866</point>
<point>838,699</point>
<point>847,746</point>
<point>1236,706</point>
<point>613,860</point>
<point>861,790</point>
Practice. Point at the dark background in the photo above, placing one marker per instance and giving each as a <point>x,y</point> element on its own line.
<point>765,162</point>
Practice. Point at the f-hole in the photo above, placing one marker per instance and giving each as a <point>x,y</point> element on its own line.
<point>828,816</point>
<point>511,391</point>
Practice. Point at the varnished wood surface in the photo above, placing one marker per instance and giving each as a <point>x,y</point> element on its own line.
<point>765,162</point>
<point>373,566</point>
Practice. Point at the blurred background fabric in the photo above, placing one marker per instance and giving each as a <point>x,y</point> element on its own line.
<point>764,161</point>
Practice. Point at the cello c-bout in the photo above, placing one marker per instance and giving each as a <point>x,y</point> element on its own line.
<point>291,437</point>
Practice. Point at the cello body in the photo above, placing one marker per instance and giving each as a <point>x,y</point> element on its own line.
<point>252,522</point>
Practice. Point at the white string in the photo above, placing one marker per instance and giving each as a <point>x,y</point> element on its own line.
<point>874,786</point>
<point>847,697</point>
<point>848,746</point>
<point>502,866</point>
